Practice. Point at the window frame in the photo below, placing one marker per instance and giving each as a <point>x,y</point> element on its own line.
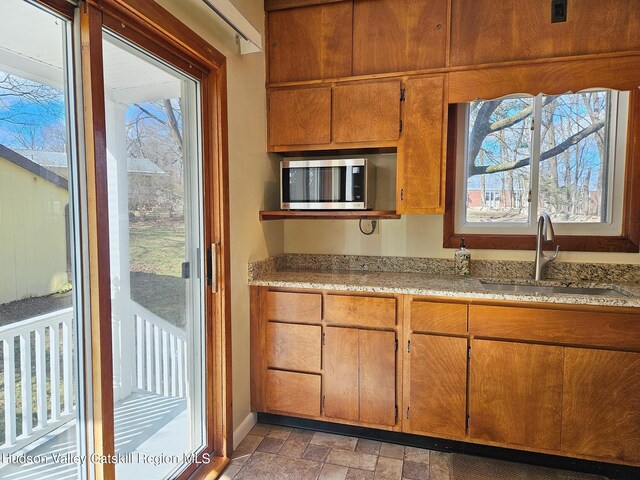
<point>627,241</point>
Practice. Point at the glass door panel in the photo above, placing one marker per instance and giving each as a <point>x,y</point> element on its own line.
<point>155,236</point>
<point>40,306</point>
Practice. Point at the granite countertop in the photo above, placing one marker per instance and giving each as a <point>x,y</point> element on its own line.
<point>442,285</point>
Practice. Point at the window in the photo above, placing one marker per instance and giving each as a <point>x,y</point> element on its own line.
<point>562,154</point>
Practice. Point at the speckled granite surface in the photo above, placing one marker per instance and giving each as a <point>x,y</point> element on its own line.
<point>418,276</point>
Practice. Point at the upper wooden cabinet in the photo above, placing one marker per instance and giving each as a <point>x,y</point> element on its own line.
<point>494,31</point>
<point>398,35</point>
<point>366,111</point>
<point>299,116</point>
<point>310,42</point>
<point>422,147</point>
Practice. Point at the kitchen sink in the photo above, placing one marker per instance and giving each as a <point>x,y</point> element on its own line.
<point>551,289</point>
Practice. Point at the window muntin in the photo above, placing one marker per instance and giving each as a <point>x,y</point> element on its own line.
<point>566,165</point>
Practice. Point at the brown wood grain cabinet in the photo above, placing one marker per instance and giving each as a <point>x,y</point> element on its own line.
<point>360,375</point>
<point>398,36</point>
<point>299,116</point>
<point>294,347</point>
<point>365,311</point>
<point>422,147</point>
<point>366,112</point>
<point>601,404</point>
<point>435,368</point>
<point>436,401</point>
<point>309,43</point>
<point>496,31</point>
<point>515,393</point>
<point>292,392</point>
<point>550,378</point>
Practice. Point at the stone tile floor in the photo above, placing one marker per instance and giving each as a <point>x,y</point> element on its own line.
<point>283,453</point>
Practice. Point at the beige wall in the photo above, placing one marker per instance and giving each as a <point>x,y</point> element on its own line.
<point>33,248</point>
<point>413,236</point>
<point>251,172</point>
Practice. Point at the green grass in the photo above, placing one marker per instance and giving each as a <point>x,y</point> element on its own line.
<point>157,246</point>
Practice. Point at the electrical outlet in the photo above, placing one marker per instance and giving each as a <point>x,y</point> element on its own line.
<point>558,11</point>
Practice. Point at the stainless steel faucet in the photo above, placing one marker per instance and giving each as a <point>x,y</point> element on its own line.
<point>545,233</point>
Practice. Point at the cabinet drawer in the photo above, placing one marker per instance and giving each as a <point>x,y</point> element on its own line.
<point>361,311</point>
<point>291,392</point>
<point>294,307</point>
<point>293,347</point>
<point>572,327</point>
<point>435,317</point>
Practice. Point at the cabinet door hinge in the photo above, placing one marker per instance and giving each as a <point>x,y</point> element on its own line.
<point>402,94</point>
<point>469,352</point>
<point>408,346</point>
<point>324,338</point>
<point>396,413</point>
<point>396,344</point>
<point>324,402</point>
<point>400,125</point>
<point>468,421</point>
<point>408,412</point>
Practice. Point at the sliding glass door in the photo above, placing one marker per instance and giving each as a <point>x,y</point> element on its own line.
<point>155,243</point>
<point>41,319</point>
<point>108,126</point>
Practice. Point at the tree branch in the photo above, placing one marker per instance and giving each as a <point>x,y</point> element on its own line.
<point>552,152</point>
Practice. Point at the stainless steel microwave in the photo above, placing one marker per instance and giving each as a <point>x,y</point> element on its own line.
<point>339,184</point>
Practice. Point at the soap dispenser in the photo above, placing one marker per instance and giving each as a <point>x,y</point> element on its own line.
<point>462,260</point>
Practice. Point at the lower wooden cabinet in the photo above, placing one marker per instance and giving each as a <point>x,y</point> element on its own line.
<point>360,375</point>
<point>601,404</point>
<point>437,396</point>
<point>515,393</point>
<point>293,392</point>
<point>539,378</point>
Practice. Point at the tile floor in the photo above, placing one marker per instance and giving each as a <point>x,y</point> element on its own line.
<point>283,453</point>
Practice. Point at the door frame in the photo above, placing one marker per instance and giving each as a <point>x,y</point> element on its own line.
<point>151,27</point>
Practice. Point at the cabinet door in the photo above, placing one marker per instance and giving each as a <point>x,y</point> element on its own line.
<point>437,385</point>
<point>360,375</point>
<point>377,375</point>
<point>299,116</point>
<point>366,112</point>
<point>515,393</point>
<point>398,36</point>
<point>341,374</point>
<point>422,147</point>
<point>310,43</point>
<point>516,30</point>
<point>601,404</point>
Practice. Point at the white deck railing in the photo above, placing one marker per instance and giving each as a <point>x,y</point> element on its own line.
<point>55,400</point>
<point>47,340</point>
<point>161,350</point>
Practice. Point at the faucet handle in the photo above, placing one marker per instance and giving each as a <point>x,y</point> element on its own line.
<point>553,257</point>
